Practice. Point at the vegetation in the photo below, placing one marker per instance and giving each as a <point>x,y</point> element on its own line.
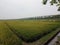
<point>7,37</point>
<point>57,2</point>
<point>14,32</point>
<point>45,39</point>
<point>32,27</point>
<point>53,17</point>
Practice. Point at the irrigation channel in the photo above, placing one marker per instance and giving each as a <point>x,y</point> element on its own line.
<point>55,40</point>
<point>33,41</point>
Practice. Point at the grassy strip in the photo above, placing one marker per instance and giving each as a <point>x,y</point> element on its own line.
<point>44,39</point>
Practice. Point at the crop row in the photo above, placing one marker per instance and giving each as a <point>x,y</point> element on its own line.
<point>32,30</point>
<point>11,32</point>
<point>7,37</point>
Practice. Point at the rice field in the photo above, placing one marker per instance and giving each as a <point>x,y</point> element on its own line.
<point>14,32</point>
<point>7,37</point>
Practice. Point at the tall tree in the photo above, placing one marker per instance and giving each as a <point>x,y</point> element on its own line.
<point>52,2</point>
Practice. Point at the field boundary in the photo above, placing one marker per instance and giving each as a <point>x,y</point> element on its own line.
<point>47,42</point>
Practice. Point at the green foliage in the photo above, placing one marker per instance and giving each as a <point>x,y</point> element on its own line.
<point>7,37</point>
<point>57,2</point>
<point>31,28</point>
<point>28,28</point>
<point>47,37</point>
<point>44,1</point>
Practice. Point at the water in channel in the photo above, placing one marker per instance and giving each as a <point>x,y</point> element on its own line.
<point>56,40</point>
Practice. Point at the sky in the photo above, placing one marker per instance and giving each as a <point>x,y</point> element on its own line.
<point>14,9</point>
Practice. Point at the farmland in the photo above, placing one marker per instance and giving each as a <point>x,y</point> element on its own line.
<point>14,32</point>
<point>7,37</point>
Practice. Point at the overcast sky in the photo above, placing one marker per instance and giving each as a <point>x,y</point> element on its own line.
<point>25,8</point>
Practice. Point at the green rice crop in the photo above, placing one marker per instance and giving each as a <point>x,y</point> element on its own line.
<point>7,37</point>
<point>31,28</point>
<point>28,29</point>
